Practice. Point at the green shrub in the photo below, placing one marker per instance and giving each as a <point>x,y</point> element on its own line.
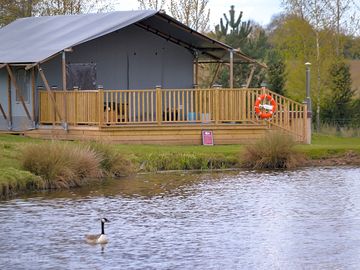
<point>13,181</point>
<point>112,162</point>
<point>61,165</point>
<point>274,151</point>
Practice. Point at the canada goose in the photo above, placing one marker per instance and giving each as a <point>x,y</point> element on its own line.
<point>98,238</point>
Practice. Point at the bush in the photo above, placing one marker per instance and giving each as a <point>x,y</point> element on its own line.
<point>13,181</point>
<point>61,165</point>
<point>112,162</point>
<point>272,152</point>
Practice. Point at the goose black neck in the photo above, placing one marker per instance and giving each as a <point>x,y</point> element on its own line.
<point>102,228</point>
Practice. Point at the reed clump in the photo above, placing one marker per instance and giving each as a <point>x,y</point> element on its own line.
<point>61,165</point>
<point>14,181</point>
<point>274,151</point>
<point>186,161</point>
<point>113,163</point>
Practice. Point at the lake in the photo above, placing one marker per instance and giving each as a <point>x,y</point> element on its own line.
<point>300,219</point>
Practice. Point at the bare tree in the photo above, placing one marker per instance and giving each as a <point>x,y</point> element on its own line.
<point>193,13</point>
<point>63,7</point>
<point>151,4</point>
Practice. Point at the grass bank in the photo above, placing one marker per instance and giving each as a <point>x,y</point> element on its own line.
<point>17,176</point>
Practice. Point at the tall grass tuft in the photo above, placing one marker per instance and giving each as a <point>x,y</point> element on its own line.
<point>13,181</point>
<point>274,151</point>
<point>112,162</point>
<point>61,165</point>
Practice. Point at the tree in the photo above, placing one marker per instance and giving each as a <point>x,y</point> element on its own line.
<point>250,39</point>
<point>337,107</point>
<point>11,10</point>
<point>68,7</point>
<point>151,4</point>
<point>328,20</point>
<point>239,30</point>
<point>193,13</point>
<point>276,74</point>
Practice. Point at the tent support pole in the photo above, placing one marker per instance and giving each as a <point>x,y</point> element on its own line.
<point>13,80</point>
<point>63,63</point>
<point>231,82</point>
<point>196,71</point>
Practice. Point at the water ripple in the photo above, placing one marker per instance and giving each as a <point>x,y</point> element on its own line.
<point>303,219</point>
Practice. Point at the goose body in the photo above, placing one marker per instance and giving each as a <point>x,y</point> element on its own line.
<point>98,238</point>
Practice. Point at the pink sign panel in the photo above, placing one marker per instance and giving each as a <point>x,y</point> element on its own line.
<point>207,137</point>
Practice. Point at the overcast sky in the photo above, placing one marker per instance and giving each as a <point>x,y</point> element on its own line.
<point>260,11</point>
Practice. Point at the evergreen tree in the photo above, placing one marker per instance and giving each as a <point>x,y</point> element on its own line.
<point>276,74</point>
<point>250,39</point>
<point>337,106</point>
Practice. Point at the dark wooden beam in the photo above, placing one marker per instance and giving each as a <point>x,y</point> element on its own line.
<point>250,76</point>
<point>3,112</point>
<point>48,89</point>
<point>18,93</point>
<point>9,102</point>
<point>215,75</point>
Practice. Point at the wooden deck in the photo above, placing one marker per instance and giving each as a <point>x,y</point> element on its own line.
<point>165,115</point>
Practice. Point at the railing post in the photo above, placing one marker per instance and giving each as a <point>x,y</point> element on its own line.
<point>101,105</point>
<point>217,103</point>
<point>158,105</point>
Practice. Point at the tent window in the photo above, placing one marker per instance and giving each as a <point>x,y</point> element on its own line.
<point>81,76</point>
<point>23,83</point>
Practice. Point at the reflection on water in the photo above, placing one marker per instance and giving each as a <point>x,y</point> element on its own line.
<point>305,219</point>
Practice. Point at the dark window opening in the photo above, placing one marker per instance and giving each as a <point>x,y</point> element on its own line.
<point>81,76</point>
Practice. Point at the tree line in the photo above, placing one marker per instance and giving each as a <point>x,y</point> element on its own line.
<point>323,32</point>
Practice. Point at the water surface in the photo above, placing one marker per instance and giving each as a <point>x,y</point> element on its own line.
<point>303,219</point>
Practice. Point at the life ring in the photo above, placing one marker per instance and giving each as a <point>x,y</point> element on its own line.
<point>269,109</point>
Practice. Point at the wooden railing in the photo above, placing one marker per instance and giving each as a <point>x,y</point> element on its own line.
<point>164,106</point>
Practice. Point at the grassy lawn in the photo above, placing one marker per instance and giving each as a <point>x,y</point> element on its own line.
<point>325,146</point>
<point>116,159</point>
<point>322,146</point>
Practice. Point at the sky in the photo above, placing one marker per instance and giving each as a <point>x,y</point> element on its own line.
<point>260,11</point>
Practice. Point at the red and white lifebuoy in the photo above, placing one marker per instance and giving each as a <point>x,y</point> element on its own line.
<point>265,111</point>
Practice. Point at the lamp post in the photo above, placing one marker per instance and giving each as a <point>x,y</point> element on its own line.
<point>308,104</point>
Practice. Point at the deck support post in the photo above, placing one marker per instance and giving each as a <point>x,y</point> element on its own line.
<point>231,79</point>
<point>158,105</point>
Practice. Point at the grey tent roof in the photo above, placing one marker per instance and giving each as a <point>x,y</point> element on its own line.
<point>34,39</point>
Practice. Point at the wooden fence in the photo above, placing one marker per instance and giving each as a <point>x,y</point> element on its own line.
<point>169,106</point>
